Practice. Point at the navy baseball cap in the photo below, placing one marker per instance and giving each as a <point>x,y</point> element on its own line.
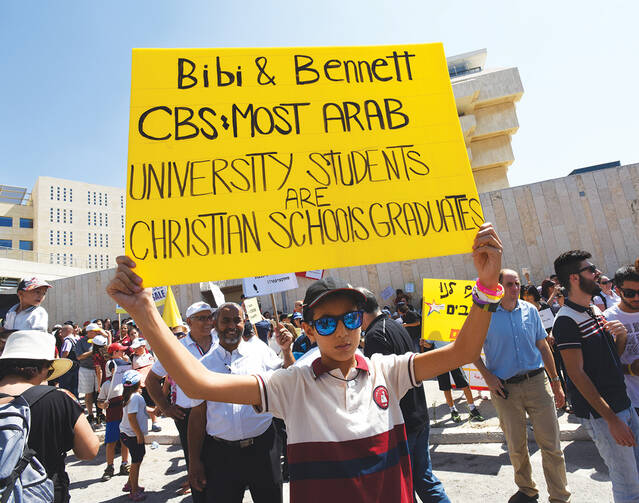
<point>323,288</point>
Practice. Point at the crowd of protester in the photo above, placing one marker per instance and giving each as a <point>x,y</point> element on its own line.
<point>568,345</point>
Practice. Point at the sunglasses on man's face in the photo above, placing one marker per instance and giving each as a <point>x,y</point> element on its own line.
<point>590,268</point>
<point>326,325</point>
<point>629,292</point>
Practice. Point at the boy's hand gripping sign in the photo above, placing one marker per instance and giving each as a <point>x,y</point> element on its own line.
<point>246,162</point>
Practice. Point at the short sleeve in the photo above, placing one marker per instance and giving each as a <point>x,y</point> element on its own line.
<point>277,390</point>
<point>158,369</point>
<point>39,319</point>
<point>398,370</point>
<point>540,331</point>
<point>104,391</point>
<point>66,346</point>
<point>566,333</point>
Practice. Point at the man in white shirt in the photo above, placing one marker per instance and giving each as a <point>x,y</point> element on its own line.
<point>627,312</point>
<point>199,341</point>
<point>69,380</point>
<point>28,314</point>
<point>231,446</point>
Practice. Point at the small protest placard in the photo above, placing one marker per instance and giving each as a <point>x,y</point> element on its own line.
<point>263,285</point>
<point>387,293</point>
<point>260,161</point>
<point>253,310</point>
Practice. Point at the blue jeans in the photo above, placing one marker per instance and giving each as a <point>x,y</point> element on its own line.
<point>425,483</point>
<point>622,462</point>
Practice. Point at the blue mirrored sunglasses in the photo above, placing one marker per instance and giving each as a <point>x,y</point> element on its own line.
<point>326,325</point>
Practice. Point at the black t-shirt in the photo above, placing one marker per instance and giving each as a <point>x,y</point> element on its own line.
<point>411,317</point>
<point>53,418</point>
<point>577,327</point>
<point>387,337</point>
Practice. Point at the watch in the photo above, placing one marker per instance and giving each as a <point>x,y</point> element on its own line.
<point>554,379</point>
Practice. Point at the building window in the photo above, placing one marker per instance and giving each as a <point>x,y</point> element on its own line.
<point>100,199</point>
<point>51,197</point>
<point>70,195</point>
<point>71,259</point>
<point>70,216</point>
<point>51,237</point>
<point>95,199</point>
<point>106,240</point>
<point>122,240</point>
<point>6,222</point>
<point>121,202</point>
<point>106,199</point>
<point>57,190</point>
<point>107,261</point>
<point>5,243</point>
<point>50,214</point>
<point>95,219</point>
<point>26,245</point>
<point>122,220</point>
<point>89,197</point>
<point>57,215</point>
<point>70,237</point>
<point>64,193</point>
<point>106,219</point>
<point>26,223</point>
<point>64,216</point>
<point>51,255</point>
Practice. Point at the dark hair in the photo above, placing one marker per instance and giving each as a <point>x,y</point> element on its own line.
<point>546,285</point>
<point>567,264</point>
<point>625,273</point>
<point>532,290</point>
<point>402,308</point>
<point>127,392</point>
<point>370,304</point>
<point>19,367</point>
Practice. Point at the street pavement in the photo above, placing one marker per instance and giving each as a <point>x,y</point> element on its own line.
<point>470,459</point>
<point>470,473</point>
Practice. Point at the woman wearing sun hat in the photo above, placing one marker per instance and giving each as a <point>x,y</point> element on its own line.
<point>57,421</point>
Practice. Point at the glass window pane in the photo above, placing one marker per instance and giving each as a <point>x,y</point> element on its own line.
<point>5,243</point>
<point>6,222</point>
<point>26,223</point>
<point>26,245</point>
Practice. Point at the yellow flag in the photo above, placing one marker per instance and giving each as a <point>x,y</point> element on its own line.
<point>171,314</point>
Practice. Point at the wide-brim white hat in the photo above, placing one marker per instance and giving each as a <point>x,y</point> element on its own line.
<point>35,345</point>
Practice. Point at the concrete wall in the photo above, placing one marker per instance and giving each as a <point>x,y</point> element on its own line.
<point>596,211</point>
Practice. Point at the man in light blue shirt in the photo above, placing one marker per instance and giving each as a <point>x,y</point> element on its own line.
<point>516,354</point>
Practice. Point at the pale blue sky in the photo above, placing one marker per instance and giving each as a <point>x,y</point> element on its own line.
<point>65,70</point>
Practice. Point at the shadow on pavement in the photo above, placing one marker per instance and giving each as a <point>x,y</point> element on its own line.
<point>480,464</point>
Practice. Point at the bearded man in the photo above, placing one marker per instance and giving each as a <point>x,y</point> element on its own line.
<point>590,348</point>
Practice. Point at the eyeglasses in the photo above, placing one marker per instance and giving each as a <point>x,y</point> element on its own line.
<point>590,268</point>
<point>604,282</point>
<point>202,318</point>
<point>629,292</point>
<point>326,325</point>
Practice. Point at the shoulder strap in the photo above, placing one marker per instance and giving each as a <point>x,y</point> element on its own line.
<point>35,393</point>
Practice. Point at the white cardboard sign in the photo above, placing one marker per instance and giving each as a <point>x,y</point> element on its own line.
<point>264,285</point>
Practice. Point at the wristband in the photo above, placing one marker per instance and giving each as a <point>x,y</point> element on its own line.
<point>554,379</point>
<point>485,298</point>
<point>630,370</point>
<point>498,293</point>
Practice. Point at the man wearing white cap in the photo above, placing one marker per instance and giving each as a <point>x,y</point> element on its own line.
<point>28,314</point>
<point>57,422</point>
<point>199,341</point>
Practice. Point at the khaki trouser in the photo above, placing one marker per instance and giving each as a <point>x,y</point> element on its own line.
<point>533,396</point>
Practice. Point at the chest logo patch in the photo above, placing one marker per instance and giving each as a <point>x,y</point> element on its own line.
<point>380,395</point>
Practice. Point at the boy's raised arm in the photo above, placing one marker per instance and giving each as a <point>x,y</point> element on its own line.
<point>195,380</point>
<point>487,251</point>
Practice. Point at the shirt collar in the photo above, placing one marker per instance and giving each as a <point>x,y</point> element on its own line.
<point>241,349</point>
<point>576,307</point>
<point>518,306</point>
<point>318,367</point>
<point>370,325</point>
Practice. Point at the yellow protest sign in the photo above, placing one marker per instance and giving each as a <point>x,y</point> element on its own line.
<point>446,304</point>
<point>250,162</point>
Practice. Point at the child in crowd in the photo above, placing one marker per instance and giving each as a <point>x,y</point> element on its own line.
<point>142,361</point>
<point>343,409</point>
<point>133,428</point>
<point>100,356</point>
<point>110,399</point>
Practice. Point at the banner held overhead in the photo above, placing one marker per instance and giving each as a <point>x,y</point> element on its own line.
<point>244,162</point>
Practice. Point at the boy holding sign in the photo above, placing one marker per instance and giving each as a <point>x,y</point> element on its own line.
<point>348,441</point>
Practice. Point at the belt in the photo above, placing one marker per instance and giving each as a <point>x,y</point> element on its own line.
<point>241,444</point>
<point>523,377</point>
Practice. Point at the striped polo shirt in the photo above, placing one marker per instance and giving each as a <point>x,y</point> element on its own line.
<point>579,327</point>
<point>346,435</point>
